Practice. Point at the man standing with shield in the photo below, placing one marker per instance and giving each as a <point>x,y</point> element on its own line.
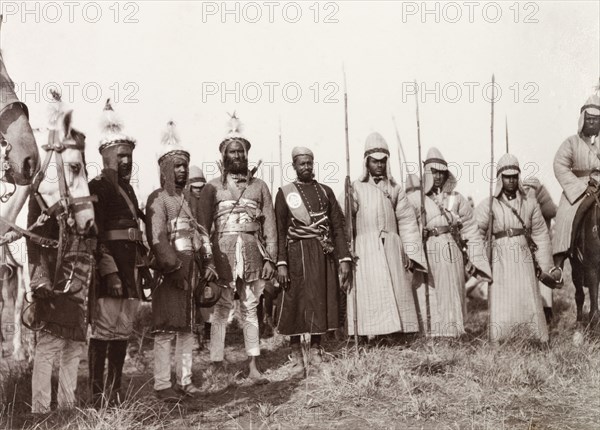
<point>182,249</point>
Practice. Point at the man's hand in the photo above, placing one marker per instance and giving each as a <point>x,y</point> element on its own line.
<point>268,270</point>
<point>176,279</point>
<point>9,237</point>
<point>43,292</point>
<point>282,277</point>
<point>114,284</point>
<point>210,273</point>
<point>345,274</point>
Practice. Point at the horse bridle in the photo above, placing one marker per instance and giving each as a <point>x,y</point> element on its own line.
<point>67,204</point>
<point>63,211</point>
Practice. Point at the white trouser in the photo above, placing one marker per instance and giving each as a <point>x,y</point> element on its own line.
<point>249,294</point>
<point>184,346</point>
<point>47,349</point>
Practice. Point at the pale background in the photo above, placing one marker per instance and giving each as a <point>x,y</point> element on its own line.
<point>174,50</point>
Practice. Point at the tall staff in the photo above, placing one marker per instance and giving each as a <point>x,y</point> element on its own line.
<point>401,154</point>
<point>491,215</point>
<point>349,221</point>
<point>423,213</point>
<point>280,157</point>
<point>506,132</point>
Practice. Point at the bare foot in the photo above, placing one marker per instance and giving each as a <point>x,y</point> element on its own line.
<point>254,374</point>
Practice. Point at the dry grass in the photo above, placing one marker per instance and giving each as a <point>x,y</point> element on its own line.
<point>465,383</point>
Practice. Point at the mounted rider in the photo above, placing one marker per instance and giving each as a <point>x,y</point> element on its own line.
<point>576,159</point>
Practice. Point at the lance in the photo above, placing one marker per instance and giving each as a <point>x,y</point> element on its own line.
<point>280,157</point>
<point>506,132</point>
<point>401,154</point>
<point>349,204</point>
<point>423,213</point>
<point>491,201</point>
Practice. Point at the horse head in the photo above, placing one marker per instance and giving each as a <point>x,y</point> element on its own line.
<point>19,157</point>
<point>61,185</point>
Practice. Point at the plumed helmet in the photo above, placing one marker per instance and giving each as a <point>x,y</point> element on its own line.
<point>111,127</point>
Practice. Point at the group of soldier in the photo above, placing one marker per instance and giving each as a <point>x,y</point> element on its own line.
<point>414,250</point>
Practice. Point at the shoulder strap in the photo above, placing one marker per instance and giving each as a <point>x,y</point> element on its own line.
<point>296,204</point>
<point>130,204</point>
<point>385,193</point>
<point>592,150</point>
<point>199,227</point>
<point>515,213</point>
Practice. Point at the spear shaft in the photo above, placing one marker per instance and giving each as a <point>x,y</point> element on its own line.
<point>491,201</point>
<point>349,206</point>
<point>401,154</point>
<point>280,157</point>
<point>506,132</point>
<point>423,213</point>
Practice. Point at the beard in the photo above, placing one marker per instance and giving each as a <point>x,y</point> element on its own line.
<point>590,130</point>
<point>305,176</point>
<point>237,166</point>
<point>124,171</point>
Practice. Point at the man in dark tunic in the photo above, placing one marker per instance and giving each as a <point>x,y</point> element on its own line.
<point>313,252</point>
<point>178,236</point>
<point>114,300</point>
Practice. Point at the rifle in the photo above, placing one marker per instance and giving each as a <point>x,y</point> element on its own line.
<point>423,214</point>
<point>349,205</point>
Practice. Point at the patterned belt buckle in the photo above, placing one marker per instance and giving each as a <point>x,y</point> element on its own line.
<point>435,232</point>
<point>131,234</point>
<point>509,232</point>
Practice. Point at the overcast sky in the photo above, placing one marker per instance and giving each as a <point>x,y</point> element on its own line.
<point>192,62</point>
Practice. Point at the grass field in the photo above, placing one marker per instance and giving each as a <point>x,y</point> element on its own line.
<point>465,383</point>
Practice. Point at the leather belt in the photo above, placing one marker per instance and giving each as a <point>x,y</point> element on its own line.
<point>245,227</point>
<point>132,234</point>
<point>436,231</point>
<point>511,232</point>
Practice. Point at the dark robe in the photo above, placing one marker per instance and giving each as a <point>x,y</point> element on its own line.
<point>310,305</point>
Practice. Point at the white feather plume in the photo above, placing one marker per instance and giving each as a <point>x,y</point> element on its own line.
<point>56,110</point>
<point>170,136</point>
<point>234,125</point>
<point>110,122</point>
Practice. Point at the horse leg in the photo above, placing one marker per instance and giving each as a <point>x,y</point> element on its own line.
<point>578,278</point>
<point>18,353</point>
<point>591,280</point>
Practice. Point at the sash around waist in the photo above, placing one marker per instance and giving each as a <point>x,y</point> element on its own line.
<point>244,227</point>
<point>303,232</point>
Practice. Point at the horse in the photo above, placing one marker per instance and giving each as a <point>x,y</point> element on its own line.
<point>19,155</point>
<point>585,259</point>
